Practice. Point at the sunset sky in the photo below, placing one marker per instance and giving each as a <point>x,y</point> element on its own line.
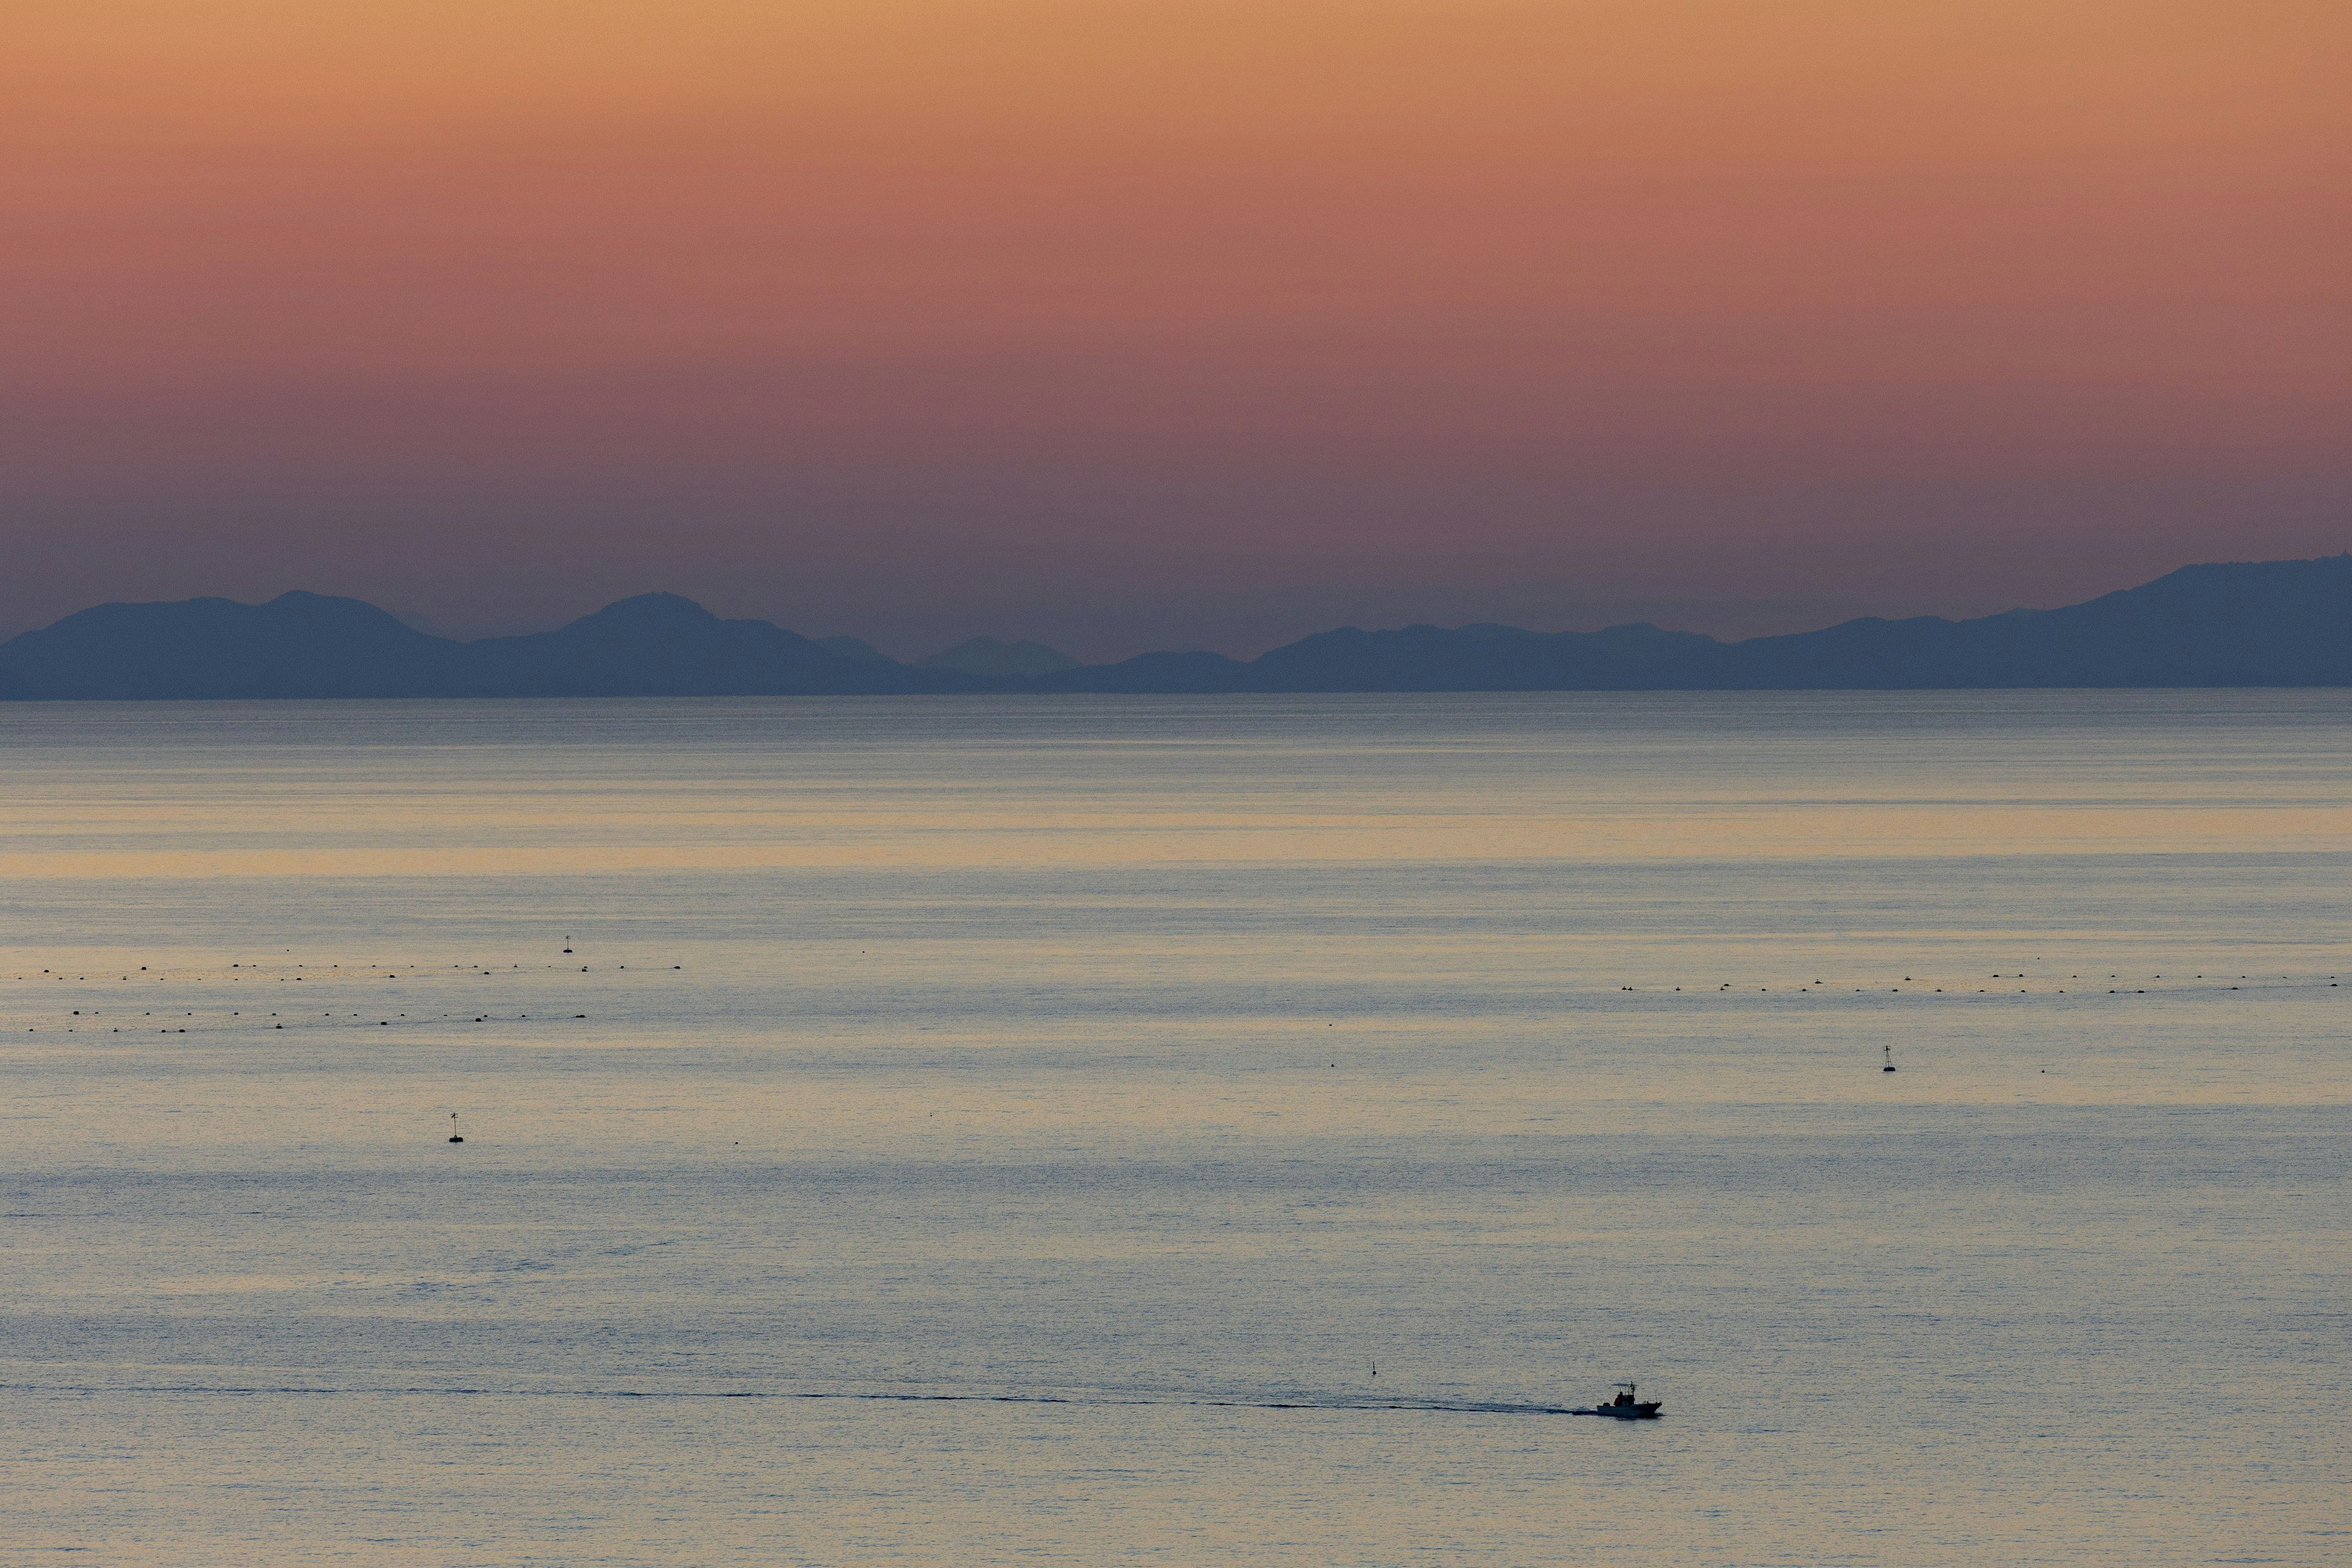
<point>1131,323</point>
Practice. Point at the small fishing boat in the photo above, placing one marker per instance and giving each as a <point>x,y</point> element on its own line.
<point>1625,1408</point>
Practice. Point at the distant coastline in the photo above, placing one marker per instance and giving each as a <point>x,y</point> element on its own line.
<point>2277,623</point>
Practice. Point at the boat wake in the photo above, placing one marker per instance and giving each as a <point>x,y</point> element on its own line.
<point>1110,1398</point>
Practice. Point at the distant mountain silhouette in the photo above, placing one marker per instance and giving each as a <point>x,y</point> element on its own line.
<point>297,645</point>
<point>659,645</point>
<point>2278,622</point>
<point>307,645</point>
<point>988,658</point>
<point>857,650</point>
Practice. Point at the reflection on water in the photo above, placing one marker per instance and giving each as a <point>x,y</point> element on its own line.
<point>971,1131</point>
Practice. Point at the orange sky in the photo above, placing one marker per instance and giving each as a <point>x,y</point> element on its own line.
<point>1106,321</point>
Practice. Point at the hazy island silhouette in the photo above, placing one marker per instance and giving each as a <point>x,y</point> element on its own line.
<point>2277,623</point>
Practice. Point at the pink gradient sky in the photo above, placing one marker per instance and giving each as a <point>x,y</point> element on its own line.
<point>1126,323</point>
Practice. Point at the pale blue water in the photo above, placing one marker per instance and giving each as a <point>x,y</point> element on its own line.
<point>1178,1060</point>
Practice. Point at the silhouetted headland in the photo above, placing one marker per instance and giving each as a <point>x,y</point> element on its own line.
<point>2277,623</point>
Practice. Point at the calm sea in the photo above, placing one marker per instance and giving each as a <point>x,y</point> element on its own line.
<point>1164,1131</point>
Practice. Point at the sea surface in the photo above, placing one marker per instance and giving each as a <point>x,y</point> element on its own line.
<point>1095,1131</point>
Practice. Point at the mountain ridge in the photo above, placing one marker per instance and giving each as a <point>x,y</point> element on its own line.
<point>2278,622</point>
